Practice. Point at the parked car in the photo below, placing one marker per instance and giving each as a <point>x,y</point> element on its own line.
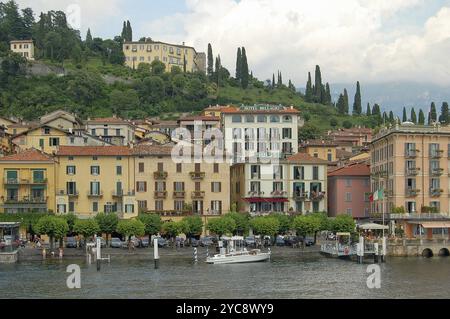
<point>250,241</point>
<point>179,242</point>
<point>162,242</point>
<point>292,240</point>
<point>195,242</point>
<point>308,241</point>
<point>206,241</point>
<point>144,242</point>
<point>280,241</point>
<point>116,242</point>
<point>71,242</point>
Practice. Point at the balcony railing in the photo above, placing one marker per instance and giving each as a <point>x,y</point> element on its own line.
<point>436,154</point>
<point>436,192</point>
<point>316,196</point>
<point>121,193</point>
<point>197,175</point>
<point>161,194</point>
<point>179,194</point>
<point>411,153</point>
<point>160,175</point>
<point>412,171</point>
<point>198,195</point>
<point>66,193</point>
<point>255,193</point>
<point>26,200</point>
<point>420,216</point>
<point>412,192</point>
<point>98,194</point>
<point>300,195</point>
<point>279,194</point>
<point>23,181</point>
<point>437,171</point>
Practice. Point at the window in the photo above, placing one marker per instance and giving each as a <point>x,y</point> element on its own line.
<point>434,150</point>
<point>70,158</point>
<point>278,172</point>
<point>159,205</point>
<point>348,182</point>
<point>93,132</point>
<point>119,158</point>
<point>160,167</point>
<point>54,141</point>
<point>216,187</point>
<point>330,157</point>
<point>141,186</point>
<point>95,207</point>
<point>255,187</point>
<point>249,119</point>
<point>95,170</point>
<point>179,168</point>
<point>129,208</point>
<point>216,168</point>
<point>95,188</point>
<point>118,132</point>
<point>262,119</point>
<point>178,205</point>
<point>141,167</point>
<point>237,133</point>
<point>287,119</point>
<point>236,119</point>
<point>61,208</point>
<point>71,207</point>
<point>118,170</point>
<point>105,132</point>
<point>287,133</point>
<point>71,170</point>
<point>348,197</point>
<point>41,143</point>
<point>142,204</point>
<point>47,131</point>
<point>316,172</point>
<point>178,186</point>
<point>71,188</point>
<point>410,149</point>
<point>277,186</point>
<point>38,176</point>
<point>255,172</point>
<point>349,211</point>
<point>299,172</point>
<point>94,158</point>
<point>160,186</point>
<point>274,119</point>
<point>216,207</point>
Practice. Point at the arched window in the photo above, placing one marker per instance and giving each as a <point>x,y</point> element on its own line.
<point>237,119</point>
<point>274,119</point>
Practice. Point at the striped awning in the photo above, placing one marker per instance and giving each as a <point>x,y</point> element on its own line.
<point>436,224</point>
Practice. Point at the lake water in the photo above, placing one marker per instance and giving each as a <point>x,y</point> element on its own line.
<point>290,274</point>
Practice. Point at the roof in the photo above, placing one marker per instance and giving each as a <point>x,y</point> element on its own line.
<point>21,41</point>
<point>162,124</point>
<point>306,158</point>
<point>358,169</point>
<point>236,110</point>
<point>111,120</point>
<point>159,42</point>
<point>30,155</point>
<point>200,118</point>
<point>30,129</point>
<point>340,154</point>
<point>94,151</point>
<point>155,150</point>
<point>319,143</point>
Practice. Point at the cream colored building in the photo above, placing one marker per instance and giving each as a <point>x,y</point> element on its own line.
<point>322,149</point>
<point>23,47</point>
<point>93,179</point>
<point>175,189</point>
<point>171,55</point>
<point>297,184</point>
<point>112,130</point>
<point>411,163</point>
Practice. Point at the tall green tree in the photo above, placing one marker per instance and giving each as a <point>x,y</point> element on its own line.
<point>341,105</point>
<point>445,118</point>
<point>346,103</point>
<point>244,69</point>
<point>421,117</point>
<point>309,91</point>
<point>152,223</point>
<point>357,105</point>
<point>327,94</point>
<point>405,117</point>
<point>433,114</point>
<point>107,224</point>
<point>413,116</point>
<point>124,31</point>
<point>129,228</point>
<point>391,117</point>
<point>52,226</point>
<point>238,65</point>
<point>376,112</point>
<point>368,112</point>
<point>86,227</point>
<point>210,70</point>
<point>129,31</point>
<point>318,85</point>
<point>89,41</point>
<point>273,81</point>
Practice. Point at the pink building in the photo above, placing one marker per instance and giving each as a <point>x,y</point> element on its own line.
<point>349,191</point>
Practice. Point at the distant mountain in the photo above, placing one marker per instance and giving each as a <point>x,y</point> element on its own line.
<point>395,95</point>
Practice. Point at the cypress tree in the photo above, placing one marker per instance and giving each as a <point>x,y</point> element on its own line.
<point>273,81</point>
<point>210,70</point>
<point>328,94</point>
<point>433,115</point>
<point>368,113</point>
<point>413,116</point>
<point>405,117</point>
<point>346,101</point>
<point>309,91</point>
<point>238,65</point>
<point>280,81</point>
<point>445,118</point>
<point>244,69</point>
<point>323,95</point>
<point>385,118</point>
<point>318,85</point>
<point>124,31</point>
<point>357,107</point>
<point>129,31</point>
<point>341,104</point>
<point>391,117</point>
<point>89,39</point>
<point>376,110</point>
<point>421,117</point>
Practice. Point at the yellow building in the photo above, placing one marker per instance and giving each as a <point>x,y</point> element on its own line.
<point>28,182</point>
<point>23,47</point>
<point>175,190</point>
<point>43,137</point>
<point>325,150</point>
<point>93,179</point>
<point>184,57</point>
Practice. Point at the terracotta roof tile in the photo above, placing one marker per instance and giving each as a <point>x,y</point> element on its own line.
<point>94,151</point>
<point>306,158</point>
<point>319,143</point>
<point>143,150</point>
<point>359,169</point>
<point>200,118</point>
<point>30,155</point>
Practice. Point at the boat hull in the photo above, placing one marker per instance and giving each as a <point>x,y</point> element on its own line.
<point>239,259</point>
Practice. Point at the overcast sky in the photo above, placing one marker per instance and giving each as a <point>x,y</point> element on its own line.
<point>368,40</point>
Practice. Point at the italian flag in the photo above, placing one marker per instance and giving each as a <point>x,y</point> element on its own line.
<point>378,195</point>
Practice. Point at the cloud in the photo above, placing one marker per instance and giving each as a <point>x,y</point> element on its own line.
<point>93,13</point>
<point>347,38</point>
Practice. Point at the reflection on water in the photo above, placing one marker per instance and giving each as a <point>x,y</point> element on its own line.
<point>289,275</point>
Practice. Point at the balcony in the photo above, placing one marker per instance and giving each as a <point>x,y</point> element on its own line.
<point>317,196</point>
<point>301,196</point>
<point>380,174</point>
<point>95,195</point>
<point>411,153</point>
<point>418,216</point>
<point>171,213</point>
<point>437,171</point>
<point>197,175</point>
<point>160,194</point>
<point>436,154</point>
<point>278,194</point>
<point>160,175</point>
<point>198,195</point>
<point>412,192</point>
<point>179,194</point>
<point>436,192</point>
<point>412,171</point>
<point>17,181</point>
<point>255,193</point>
<point>70,194</point>
<point>121,193</point>
<point>26,200</point>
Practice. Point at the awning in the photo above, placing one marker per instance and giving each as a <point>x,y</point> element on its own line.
<point>436,224</point>
<point>372,226</point>
<point>266,200</point>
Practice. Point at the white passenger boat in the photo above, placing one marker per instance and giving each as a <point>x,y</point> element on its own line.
<point>232,255</point>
